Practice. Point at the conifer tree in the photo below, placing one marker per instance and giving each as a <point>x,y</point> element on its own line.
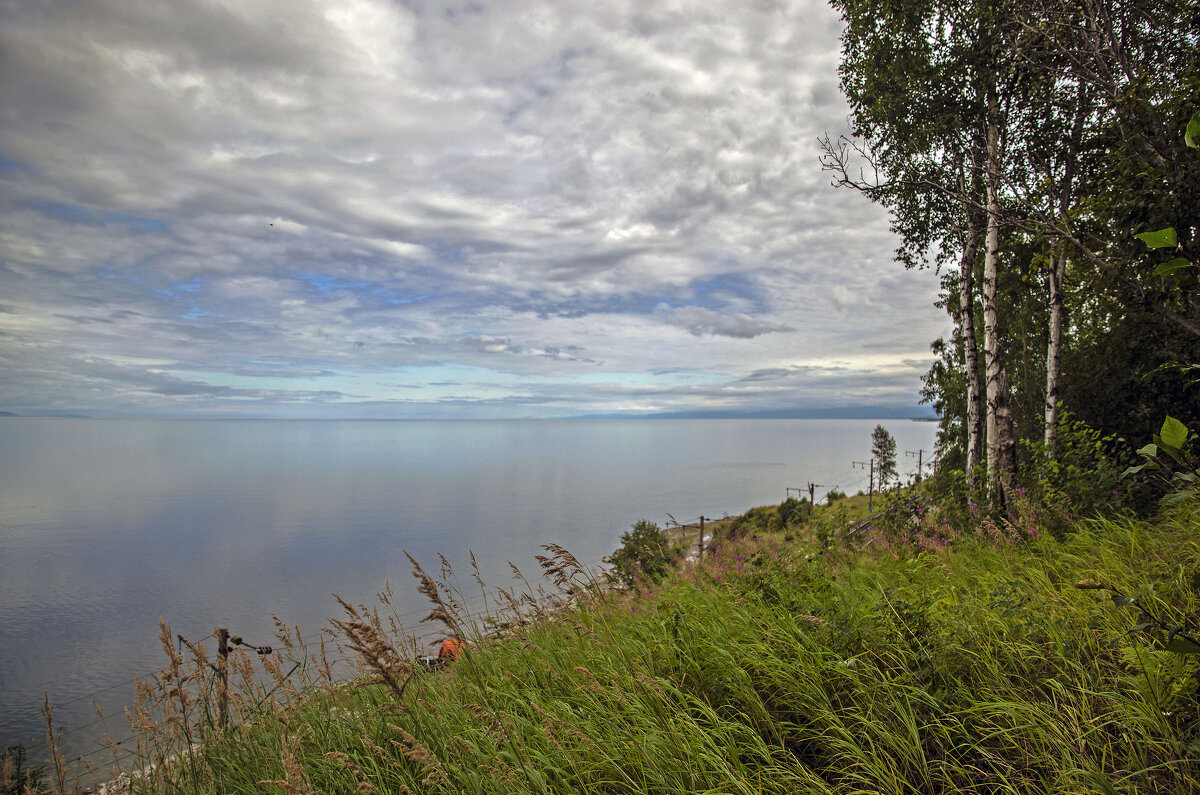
<point>883,450</point>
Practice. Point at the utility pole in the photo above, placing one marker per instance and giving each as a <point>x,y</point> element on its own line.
<point>918,455</point>
<point>223,672</point>
<point>812,492</point>
<point>701,553</point>
<point>870,482</point>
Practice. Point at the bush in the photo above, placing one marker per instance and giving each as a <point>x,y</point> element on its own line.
<point>645,554</point>
<point>793,511</point>
<point>1086,472</point>
<point>790,513</point>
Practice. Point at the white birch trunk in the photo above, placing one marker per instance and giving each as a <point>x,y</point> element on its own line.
<point>1001,441</point>
<point>1054,350</point>
<point>966,320</point>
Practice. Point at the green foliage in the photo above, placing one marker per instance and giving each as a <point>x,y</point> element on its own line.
<point>771,668</point>
<point>754,521</point>
<point>1086,472</point>
<point>16,776</point>
<point>1093,102</point>
<point>1160,239</point>
<point>645,554</point>
<point>1165,238</point>
<point>1171,461</point>
<point>833,495</point>
<point>770,519</point>
<point>883,450</point>
<point>793,512</point>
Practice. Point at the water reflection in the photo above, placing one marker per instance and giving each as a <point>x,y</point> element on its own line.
<point>106,526</point>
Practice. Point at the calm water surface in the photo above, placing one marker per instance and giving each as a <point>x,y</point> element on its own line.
<point>106,526</point>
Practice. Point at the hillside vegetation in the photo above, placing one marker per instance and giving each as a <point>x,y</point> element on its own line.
<point>904,657</point>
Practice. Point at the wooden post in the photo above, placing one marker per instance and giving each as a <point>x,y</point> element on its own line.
<point>700,554</point>
<point>871,487</point>
<point>223,673</point>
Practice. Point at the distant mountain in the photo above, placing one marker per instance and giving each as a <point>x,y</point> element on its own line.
<point>46,416</point>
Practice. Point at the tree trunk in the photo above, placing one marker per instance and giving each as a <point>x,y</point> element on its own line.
<point>1001,440</point>
<point>966,321</point>
<point>1058,272</point>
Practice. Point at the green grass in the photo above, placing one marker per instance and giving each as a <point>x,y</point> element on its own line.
<point>888,666</point>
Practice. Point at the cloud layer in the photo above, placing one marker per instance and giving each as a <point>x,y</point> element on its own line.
<point>369,208</point>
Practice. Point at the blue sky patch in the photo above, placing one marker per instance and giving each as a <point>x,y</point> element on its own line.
<point>327,284</point>
<point>81,214</point>
<point>8,166</point>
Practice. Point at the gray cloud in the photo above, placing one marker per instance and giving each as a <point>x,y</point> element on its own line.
<point>552,207</point>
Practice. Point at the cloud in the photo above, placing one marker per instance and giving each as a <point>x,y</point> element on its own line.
<point>287,205</point>
<point>698,320</point>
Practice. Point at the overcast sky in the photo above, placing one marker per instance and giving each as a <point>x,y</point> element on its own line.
<point>370,208</point>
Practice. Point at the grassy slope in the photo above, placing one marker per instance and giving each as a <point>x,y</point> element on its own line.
<point>971,666</point>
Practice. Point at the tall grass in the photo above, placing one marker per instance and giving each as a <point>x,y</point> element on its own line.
<point>970,664</point>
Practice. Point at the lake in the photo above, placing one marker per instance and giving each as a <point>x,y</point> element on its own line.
<point>107,525</point>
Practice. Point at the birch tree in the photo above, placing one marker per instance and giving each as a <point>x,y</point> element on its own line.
<point>922,80</point>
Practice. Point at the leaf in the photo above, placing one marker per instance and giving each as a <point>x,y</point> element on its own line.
<point>1191,136</point>
<point>1167,268</point>
<point>1178,497</point>
<point>1161,238</point>
<point>1174,452</point>
<point>1149,450</point>
<point>1123,601</point>
<point>1134,470</point>
<point>1174,433</point>
<point>1183,646</point>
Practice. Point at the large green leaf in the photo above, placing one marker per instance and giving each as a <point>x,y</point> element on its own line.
<point>1151,466</point>
<point>1167,268</point>
<point>1161,238</point>
<point>1174,433</point>
<point>1191,136</point>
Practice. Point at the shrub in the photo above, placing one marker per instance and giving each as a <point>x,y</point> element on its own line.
<point>793,511</point>
<point>1086,471</point>
<point>645,554</point>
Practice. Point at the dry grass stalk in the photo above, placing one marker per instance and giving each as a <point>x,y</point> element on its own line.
<point>475,571</point>
<point>426,760</point>
<point>324,667</point>
<point>443,581</point>
<point>374,650</point>
<point>364,782</point>
<point>565,571</point>
<point>428,587</point>
<point>52,738</point>
<point>10,769</point>
<point>584,630</point>
<point>294,780</point>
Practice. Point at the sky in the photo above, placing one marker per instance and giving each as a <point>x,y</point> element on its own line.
<point>382,209</point>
